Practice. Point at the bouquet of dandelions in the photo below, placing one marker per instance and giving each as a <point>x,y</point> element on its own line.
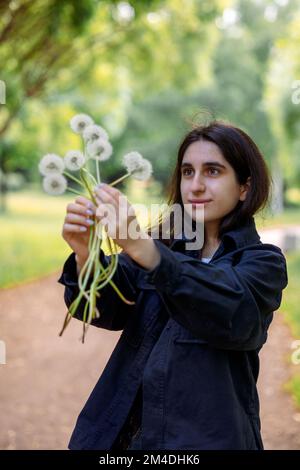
<point>55,169</point>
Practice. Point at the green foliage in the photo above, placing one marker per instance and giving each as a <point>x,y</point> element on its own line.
<point>129,62</point>
<point>145,78</point>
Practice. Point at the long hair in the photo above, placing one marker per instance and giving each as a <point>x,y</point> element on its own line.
<point>243,155</point>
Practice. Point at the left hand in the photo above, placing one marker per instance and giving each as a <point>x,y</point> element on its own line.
<point>117,215</point>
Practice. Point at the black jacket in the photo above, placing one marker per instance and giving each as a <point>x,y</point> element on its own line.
<point>190,343</point>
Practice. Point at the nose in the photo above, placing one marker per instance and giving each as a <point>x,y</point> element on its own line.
<point>198,184</point>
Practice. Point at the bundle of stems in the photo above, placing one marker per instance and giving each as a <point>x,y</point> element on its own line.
<point>93,275</point>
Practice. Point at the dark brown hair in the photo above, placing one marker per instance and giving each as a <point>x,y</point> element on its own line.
<point>243,155</point>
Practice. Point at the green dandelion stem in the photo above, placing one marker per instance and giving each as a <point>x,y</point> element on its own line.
<point>120,179</point>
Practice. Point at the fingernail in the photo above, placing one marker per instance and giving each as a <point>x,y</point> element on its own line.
<point>83,229</point>
<point>89,221</point>
<point>89,212</point>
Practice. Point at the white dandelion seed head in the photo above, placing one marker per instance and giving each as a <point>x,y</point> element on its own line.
<point>51,163</point>
<point>74,160</point>
<point>100,150</point>
<point>94,132</point>
<point>80,122</point>
<point>132,161</point>
<point>55,184</point>
<point>144,171</point>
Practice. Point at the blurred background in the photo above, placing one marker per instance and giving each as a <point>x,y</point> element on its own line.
<point>144,70</point>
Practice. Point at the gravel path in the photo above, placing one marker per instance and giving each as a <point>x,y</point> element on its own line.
<point>47,378</point>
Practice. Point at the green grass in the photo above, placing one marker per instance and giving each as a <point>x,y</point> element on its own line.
<point>31,245</point>
<point>290,216</point>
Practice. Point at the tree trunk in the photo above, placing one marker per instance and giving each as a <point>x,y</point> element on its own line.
<point>3,192</point>
<point>3,180</point>
<point>277,204</point>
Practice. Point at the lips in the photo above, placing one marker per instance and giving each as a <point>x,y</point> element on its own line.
<point>198,201</point>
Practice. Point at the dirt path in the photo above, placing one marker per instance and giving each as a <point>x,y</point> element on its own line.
<point>47,379</point>
<point>279,416</point>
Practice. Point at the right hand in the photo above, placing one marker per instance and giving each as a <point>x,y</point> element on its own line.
<point>76,227</point>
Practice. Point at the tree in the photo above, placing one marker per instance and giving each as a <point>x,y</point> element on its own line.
<point>39,40</point>
<point>242,67</point>
<point>282,92</point>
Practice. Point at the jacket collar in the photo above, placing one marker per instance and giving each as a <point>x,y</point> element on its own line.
<point>241,236</point>
<point>245,235</point>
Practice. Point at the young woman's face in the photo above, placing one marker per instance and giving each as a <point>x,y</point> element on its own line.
<point>207,176</point>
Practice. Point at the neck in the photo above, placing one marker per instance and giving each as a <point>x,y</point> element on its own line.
<point>211,240</point>
<point>211,234</point>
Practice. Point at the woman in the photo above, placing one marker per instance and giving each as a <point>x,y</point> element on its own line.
<point>183,373</point>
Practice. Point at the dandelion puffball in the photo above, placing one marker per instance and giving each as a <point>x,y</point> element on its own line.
<point>55,184</point>
<point>132,161</point>
<point>74,160</point>
<point>139,167</point>
<point>144,171</point>
<point>51,163</point>
<point>94,132</point>
<point>100,150</point>
<point>80,122</point>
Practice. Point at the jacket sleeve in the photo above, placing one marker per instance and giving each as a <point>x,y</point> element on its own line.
<point>229,306</point>
<point>113,311</point>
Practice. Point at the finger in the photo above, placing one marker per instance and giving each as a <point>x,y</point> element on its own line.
<point>84,202</point>
<point>103,196</point>
<point>115,193</point>
<point>76,208</point>
<point>78,219</point>
<point>72,228</point>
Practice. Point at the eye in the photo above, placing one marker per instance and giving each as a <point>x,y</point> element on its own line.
<point>187,171</point>
<point>214,171</point>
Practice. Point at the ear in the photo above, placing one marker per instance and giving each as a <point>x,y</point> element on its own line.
<point>244,189</point>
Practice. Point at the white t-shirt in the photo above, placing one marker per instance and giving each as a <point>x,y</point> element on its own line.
<point>205,260</point>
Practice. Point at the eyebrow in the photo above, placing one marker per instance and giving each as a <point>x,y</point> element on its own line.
<point>187,164</point>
